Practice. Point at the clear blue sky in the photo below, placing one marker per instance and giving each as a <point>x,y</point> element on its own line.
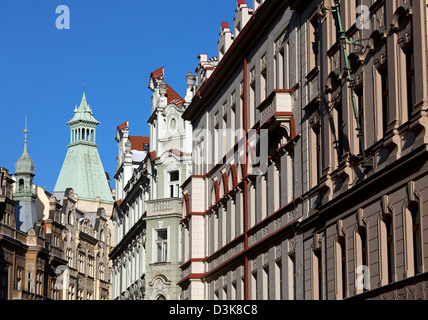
<point>112,46</point>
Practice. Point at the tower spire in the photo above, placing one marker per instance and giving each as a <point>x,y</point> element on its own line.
<point>25,194</point>
<point>24,163</point>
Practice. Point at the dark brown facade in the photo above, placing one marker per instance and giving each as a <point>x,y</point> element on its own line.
<point>366,232</point>
<point>28,261</point>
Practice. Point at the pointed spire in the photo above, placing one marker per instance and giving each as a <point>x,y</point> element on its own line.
<point>83,112</point>
<point>24,163</point>
<point>83,104</point>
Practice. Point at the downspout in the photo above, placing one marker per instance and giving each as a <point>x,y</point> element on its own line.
<point>246,271</point>
<point>336,9</point>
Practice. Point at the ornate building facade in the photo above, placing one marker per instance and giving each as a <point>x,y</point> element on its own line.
<point>148,199</point>
<point>49,247</point>
<point>84,194</point>
<point>310,166</point>
<point>31,243</point>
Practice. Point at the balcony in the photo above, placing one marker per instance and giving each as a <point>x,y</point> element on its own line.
<point>164,206</point>
<point>278,104</point>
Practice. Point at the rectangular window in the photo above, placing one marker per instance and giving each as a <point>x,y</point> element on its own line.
<point>278,280</point>
<point>390,247</point>
<point>292,276</point>
<point>313,42</point>
<point>223,130</point>
<point>410,69</point>
<point>91,267</point>
<point>340,127</point>
<point>252,109</point>
<point>30,282</point>
<point>266,283</point>
<point>385,98</point>
<point>263,78</point>
<point>174,184</point>
<point>254,286</point>
<point>18,279</point>
<point>232,127</point>
<point>360,107</point>
<point>161,245</point>
<point>279,69</point>
<point>317,280</point>
<point>315,154</point>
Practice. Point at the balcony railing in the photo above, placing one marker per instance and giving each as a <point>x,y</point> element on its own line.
<point>164,206</point>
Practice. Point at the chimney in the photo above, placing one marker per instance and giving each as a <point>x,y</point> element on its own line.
<point>242,16</point>
<point>225,41</point>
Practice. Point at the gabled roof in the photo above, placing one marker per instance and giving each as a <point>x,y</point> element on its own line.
<point>158,74</point>
<point>174,97</point>
<point>138,142</point>
<point>124,125</point>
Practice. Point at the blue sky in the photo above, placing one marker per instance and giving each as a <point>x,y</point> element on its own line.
<point>112,46</point>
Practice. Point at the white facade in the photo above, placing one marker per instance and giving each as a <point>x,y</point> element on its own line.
<point>148,199</point>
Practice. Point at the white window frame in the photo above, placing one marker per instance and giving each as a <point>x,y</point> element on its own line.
<point>166,243</point>
<point>175,184</point>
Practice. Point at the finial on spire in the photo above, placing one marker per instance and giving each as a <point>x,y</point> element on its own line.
<point>84,86</point>
<point>25,132</point>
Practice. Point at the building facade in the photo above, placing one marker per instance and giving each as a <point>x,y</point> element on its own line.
<point>148,199</point>
<point>364,235</point>
<point>310,170</point>
<point>31,243</point>
<point>86,200</point>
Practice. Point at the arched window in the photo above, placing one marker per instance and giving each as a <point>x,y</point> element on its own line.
<point>386,243</point>
<point>341,268</point>
<point>361,257</point>
<point>70,218</point>
<point>161,297</point>
<point>413,245</point>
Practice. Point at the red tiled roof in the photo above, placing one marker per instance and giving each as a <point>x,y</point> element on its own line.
<point>174,97</point>
<point>138,142</point>
<point>224,24</point>
<point>122,126</point>
<point>158,73</point>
